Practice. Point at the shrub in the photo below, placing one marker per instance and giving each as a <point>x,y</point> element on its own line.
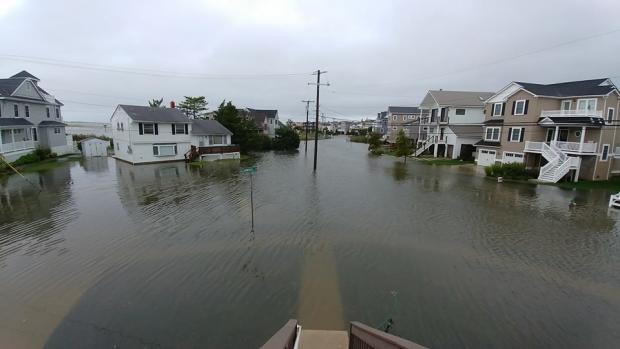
<point>510,171</point>
<point>286,139</point>
<point>38,155</point>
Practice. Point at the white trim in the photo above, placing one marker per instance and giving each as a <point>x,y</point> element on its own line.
<point>516,106</point>
<point>602,152</point>
<point>512,132</point>
<point>514,155</point>
<point>570,104</point>
<point>586,100</point>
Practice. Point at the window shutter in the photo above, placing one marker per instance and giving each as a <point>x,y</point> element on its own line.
<point>173,130</point>
<point>186,129</point>
<point>503,108</point>
<point>514,104</point>
<point>140,128</point>
<point>527,102</point>
<point>156,130</point>
<point>522,131</point>
<point>509,134</point>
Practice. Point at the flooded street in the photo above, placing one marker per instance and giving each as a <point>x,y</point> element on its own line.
<point>102,253</point>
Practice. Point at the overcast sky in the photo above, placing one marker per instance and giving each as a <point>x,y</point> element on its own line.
<point>93,55</point>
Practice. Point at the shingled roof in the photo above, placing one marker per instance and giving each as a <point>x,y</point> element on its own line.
<point>14,122</point>
<point>209,127</point>
<point>403,110</point>
<point>143,113</point>
<point>460,98</point>
<point>8,86</point>
<point>594,87</point>
<point>24,74</point>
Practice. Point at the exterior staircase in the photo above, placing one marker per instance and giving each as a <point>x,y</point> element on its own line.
<point>558,165</point>
<point>425,145</point>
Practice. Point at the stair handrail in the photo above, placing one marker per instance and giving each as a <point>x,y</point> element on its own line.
<point>548,167</point>
<point>560,152</point>
<point>561,170</point>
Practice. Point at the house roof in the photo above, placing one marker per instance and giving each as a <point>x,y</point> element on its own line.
<point>403,110</point>
<point>24,74</point>
<point>14,122</point>
<point>49,123</point>
<point>594,87</point>
<point>93,138</point>
<point>209,127</point>
<point>487,143</point>
<point>467,131</point>
<point>493,122</point>
<point>142,113</point>
<point>8,86</point>
<point>571,120</point>
<point>259,115</point>
<point>460,98</point>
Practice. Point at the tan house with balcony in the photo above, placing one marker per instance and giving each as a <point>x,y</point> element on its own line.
<point>563,130</point>
<point>405,118</point>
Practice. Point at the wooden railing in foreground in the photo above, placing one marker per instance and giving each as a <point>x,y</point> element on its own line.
<point>366,337</point>
<point>284,338</point>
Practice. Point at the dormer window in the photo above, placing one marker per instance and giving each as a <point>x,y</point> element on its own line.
<point>57,113</point>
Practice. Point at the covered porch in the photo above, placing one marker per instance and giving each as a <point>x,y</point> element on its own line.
<point>17,135</point>
<point>569,137</point>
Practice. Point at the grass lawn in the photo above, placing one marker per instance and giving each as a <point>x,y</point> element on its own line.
<point>443,162</point>
<point>611,185</point>
<point>43,165</point>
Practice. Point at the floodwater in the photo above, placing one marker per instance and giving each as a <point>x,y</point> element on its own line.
<point>102,254</point>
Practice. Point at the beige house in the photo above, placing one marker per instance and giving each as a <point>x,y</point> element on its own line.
<point>405,118</point>
<point>561,130</point>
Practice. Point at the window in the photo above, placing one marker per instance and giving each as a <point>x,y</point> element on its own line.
<point>57,113</point>
<point>404,117</point>
<point>122,127</point>
<point>148,129</point>
<point>605,152</point>
<point>515,135</point>
<point>217,140</point>
<point>519,107</point>
<point>35,137</point>
<point>610,114</point>
<point>510,157</point>
<point>566,105</point>
<point>587,105</point>
<point>16,110</point>
<point>164,149</point>
<point>27,110</point>
<point>47,112</point>
<point>118,126</point>
<point>179,129</point>
<point>497,109</point>
<point>459,111</point>
<point>492,134</point>
<point>394,118</point>
<point>57,130</point>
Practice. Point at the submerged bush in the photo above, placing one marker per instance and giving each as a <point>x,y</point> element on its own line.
<point>510,171</point>
<point>38,155</point>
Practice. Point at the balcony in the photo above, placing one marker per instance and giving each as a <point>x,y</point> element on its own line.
<point>571,113</point>
<point>16,146</point>
<point>219,149</point>
<point>567,147</point>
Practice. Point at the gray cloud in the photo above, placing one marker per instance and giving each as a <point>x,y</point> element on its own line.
<point>378,53</point>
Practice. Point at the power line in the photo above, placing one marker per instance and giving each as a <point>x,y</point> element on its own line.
<point>141,71</point>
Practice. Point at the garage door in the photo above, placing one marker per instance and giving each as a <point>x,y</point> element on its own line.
<point>486,157</point>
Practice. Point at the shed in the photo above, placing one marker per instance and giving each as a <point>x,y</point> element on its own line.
<point>94,147</point>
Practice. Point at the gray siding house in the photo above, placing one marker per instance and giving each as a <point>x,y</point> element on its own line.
<point>30,118</point>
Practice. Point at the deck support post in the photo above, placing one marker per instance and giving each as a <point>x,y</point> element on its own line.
<point>583,138</point>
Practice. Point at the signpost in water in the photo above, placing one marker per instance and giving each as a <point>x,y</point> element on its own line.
<point>251,170</point>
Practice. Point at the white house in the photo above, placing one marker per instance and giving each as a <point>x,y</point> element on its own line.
<point>30,118</point>
<point>451,122</point>
<point>146,134</point>
<point>213,141</point>
<point>94,147</point>
<point>267,120</point>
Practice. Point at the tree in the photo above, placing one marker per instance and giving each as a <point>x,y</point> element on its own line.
<point>374,143</point>
<point>286,139</point>
<point>403,146</point>
<point>194,107</point>
<point>244,129</point>
<point>156,103</point>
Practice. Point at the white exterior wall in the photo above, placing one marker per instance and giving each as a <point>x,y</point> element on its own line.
<point>271,125</point>
<point>131,146</point>
<point>95,147</point>
<point>472,116</point>
<point>195,140</point>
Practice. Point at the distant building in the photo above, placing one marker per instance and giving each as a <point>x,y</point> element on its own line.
<point>89,128</point>
<point>381,123</point>
<point>267,120</point>
<point>405,118</point>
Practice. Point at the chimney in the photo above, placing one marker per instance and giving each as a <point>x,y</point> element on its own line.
<point>173,104</point>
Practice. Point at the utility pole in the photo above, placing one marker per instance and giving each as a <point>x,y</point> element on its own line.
<point>307,108</point>
<point>316,124</point>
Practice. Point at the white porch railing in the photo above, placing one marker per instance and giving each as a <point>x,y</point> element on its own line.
<point>15,146</point>
<point>568,113</point>
<point>569,147</point>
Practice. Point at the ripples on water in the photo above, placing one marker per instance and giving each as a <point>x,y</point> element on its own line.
<point>107,254</point>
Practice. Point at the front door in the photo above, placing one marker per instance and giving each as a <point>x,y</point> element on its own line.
<point>550,134</point>
<point>563,136</point>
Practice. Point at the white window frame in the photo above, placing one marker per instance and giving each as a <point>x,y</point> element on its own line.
<point>613,114</point>
<point>144,128</point>
<point>176,129</point>
<point>586,100</point>
<point>493,139</point>
<point>57,130</point>
<point>165,146</point>
<point>605,157</point>
<point>570,104</point>
<point>501,106</point>
<point>517,107</point>
<point>513,155</point>
<point>456,111</point>
<point>212,140</point>
<point>512,133</point>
